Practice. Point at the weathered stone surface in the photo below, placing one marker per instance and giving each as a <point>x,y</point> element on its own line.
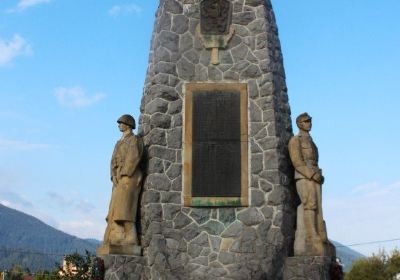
<point>158,182</point>
<point>174,138</point>
<point>215,242</point>
<point>256,163</point>
<point>213,227</point>
<point>250,216</point>
<point>151,197</point>
<point>171,197</point>
<point>257,198</point>
<point>191,231</point>
<point>180,24</point>
<point>181,220</point>
<point>155,212</point>
<point>165,67</point>
<point>155,166</point>
<point>245,244</point>
<point>162,153</point>
<point>254,2</point>
<point>276,197</point>
<point>174,171</point>
<point>157,136</point>
<point>186,69</point>
<point>226,258</point>
<point>244,18</point>
<point>170,211</point>
<point>307,268</point>
<point>165,92</point>
<point>251,71</point>
<point>268,212</point>
<point>124,267</point>
<point>157,105</point>
<point>200,215</point>
<point>239,52</point>
<point>160,120</point>
<point>226,215</point>
<point>177,184</point>
<point>173,6</point>
<point>228,242</point>
<point>234,230</point>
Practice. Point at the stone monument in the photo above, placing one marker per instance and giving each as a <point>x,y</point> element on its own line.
<point>218,199</point>
<point>120,236</point>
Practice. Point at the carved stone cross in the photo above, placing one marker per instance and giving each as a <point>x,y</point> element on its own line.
<point>215,28</point>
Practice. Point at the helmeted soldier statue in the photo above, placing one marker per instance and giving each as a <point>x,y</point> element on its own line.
<point>126,177</point>
<point>311,236</point>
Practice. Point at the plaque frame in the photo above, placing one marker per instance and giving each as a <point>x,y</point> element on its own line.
<point>188,199</point>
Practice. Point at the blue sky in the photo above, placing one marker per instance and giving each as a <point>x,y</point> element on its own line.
<point>69,69</point>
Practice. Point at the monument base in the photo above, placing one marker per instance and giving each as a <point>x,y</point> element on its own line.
<point>124,267</point>
<point>127,250</point>
<point>307,268</point>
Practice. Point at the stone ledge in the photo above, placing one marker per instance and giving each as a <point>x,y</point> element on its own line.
<point>124,267</point>
<point>307,268</point>
<point>127,250</point>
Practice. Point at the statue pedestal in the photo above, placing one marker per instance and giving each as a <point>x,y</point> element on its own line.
<point>124,267</point>
<point>127,250</point>
<point>307,268</point>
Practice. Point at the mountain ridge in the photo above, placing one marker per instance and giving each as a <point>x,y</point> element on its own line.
<point>31,243</point>
<point>27,241</point>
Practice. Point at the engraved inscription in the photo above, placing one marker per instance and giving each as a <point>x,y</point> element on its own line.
<point>215,17</point>
<point>216,144</point>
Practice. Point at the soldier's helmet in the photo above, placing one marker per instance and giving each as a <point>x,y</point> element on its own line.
<point>128,120</point>
<point>302,117</point>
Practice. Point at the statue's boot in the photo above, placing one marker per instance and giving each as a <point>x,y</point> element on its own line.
<point>314,245</point>
<point>116,234</point>
<point>130,234</point>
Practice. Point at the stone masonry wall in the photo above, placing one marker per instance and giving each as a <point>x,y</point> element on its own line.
<point>216,243</point>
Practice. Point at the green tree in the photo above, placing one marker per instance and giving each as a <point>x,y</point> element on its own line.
<point>47,275</point>
<point>15,273</point>
<point>393,265</point>
<point>78,267</point>
<point>378,267</point>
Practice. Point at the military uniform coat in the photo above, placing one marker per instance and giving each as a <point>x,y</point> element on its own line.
<point>126,176</point>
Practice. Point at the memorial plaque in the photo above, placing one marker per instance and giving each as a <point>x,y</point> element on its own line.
<point>215,17</point>
<point>216,144</point>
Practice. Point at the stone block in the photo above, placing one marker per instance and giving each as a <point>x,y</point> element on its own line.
<point>250,216</point>
<point>127,250</point>
<point>307,268</point>
<point>200,215</point>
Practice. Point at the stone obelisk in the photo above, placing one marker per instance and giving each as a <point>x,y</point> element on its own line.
<point>217,199</point>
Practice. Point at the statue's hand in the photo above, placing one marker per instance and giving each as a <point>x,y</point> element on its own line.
<point>114,180</point>
<point>318,177</point>
<point>124,181</point>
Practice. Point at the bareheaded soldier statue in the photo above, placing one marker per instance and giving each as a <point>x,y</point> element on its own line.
<point>126,177</point>
<point>311,236</point>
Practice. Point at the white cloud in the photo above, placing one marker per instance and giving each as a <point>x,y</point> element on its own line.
<point>367,213</point>
<point>6,203</point>
<point>76,97</point>
<point>71,201</point>
<point>125,9</point>
<point>7,144</point>
<point>13,48</point>
<point>24,4</point>
<point>84,228</point>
